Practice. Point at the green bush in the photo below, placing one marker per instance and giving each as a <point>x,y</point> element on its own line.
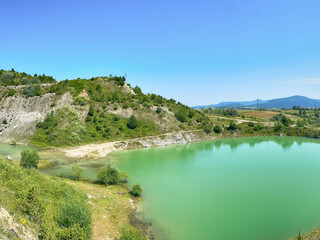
<point>158,110</point>
<point>181,115</point>
<point>81,100</point>
<point>76,172</point>
<point>73,213</point>
<point>4,121</point>
<point>277,127</point>
<point>207,129</point>
<point>74,232</point>
<point>136,190</point>
<point>131,234</point>
<point>91,111</point>
<point>29,158</point>
<point>300,123</point>
<point>250,124</point>
<point>132,122</point>
<point>217,129</point>
<point>232,126</point>
<point>109,174</point>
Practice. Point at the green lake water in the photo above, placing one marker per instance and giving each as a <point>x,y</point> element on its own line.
<point>246,188</point>
<point>261,188</point>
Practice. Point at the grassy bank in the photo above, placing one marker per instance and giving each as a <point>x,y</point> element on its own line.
<point>37,206</point>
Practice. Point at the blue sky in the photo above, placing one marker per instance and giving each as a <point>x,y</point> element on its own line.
<point>198,52</point>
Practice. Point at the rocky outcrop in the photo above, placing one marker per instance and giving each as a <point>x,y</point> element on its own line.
<point>10,228</point>
<point>103,149</point>
<point>19,115</point>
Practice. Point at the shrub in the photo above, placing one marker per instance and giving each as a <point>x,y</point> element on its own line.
<point>29,158</point>
<point>123,177</point>
<point>257,127</point>
<point>300,123</point>
<point>277,127</point>
<point>131,234</point>
<point>181,115</point>
<point>81,100</point>
<point>207,129</point>
<point>72,233</point>
<point>91,111</point>
<point>217,129</point>
<point>76,172</point>
<point>73,213</point>
<point>250,124</point>
<point>11,92</point>
<point>109,174</point>
<point>132,123</point>
<point>4,121</point>
<point>30,203</point>
<point>232,126</point>
<point>136,190</point>
<point>158,110</point>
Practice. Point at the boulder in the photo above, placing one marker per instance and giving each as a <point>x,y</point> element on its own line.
<point>9,158</point>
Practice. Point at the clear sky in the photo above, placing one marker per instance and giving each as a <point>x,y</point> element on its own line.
<point>198,52</point>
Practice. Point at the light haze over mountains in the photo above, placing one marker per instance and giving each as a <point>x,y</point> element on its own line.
<point>287,102</point>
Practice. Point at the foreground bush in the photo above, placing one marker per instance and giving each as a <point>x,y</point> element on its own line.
<point>29,158</point>
<point>131,234</point>
<point>73,213</point>
<point>136,190</point>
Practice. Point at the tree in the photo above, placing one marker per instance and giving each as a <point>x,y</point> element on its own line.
<point>109,174</point>
<point>232,126</point>
<point>76,172</point>
<point>217,129</point>
<point>132,122</point>
<point>29,158</point>
<point>136,190</point>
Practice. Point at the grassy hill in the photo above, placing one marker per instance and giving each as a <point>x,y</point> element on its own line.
<point>98,109</point>
<point>36,206</point>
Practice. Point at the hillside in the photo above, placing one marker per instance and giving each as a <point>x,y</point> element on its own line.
<point>73,112</point>
<point>36,206</point>
<point>280,103</point>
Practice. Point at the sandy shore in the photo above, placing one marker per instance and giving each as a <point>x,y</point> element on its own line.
<point>99,150</point>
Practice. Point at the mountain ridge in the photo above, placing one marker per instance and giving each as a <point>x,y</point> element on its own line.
<point>286,102</point>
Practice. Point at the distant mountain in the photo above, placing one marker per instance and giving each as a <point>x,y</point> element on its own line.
<point>287,102</point>
<point>234,104</point>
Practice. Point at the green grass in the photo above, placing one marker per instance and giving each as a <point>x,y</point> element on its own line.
<point>49,205</point>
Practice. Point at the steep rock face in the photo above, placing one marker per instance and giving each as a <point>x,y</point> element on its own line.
<point>19,115</point>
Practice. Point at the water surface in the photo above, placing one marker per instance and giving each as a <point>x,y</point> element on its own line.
<point>258,188</point>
